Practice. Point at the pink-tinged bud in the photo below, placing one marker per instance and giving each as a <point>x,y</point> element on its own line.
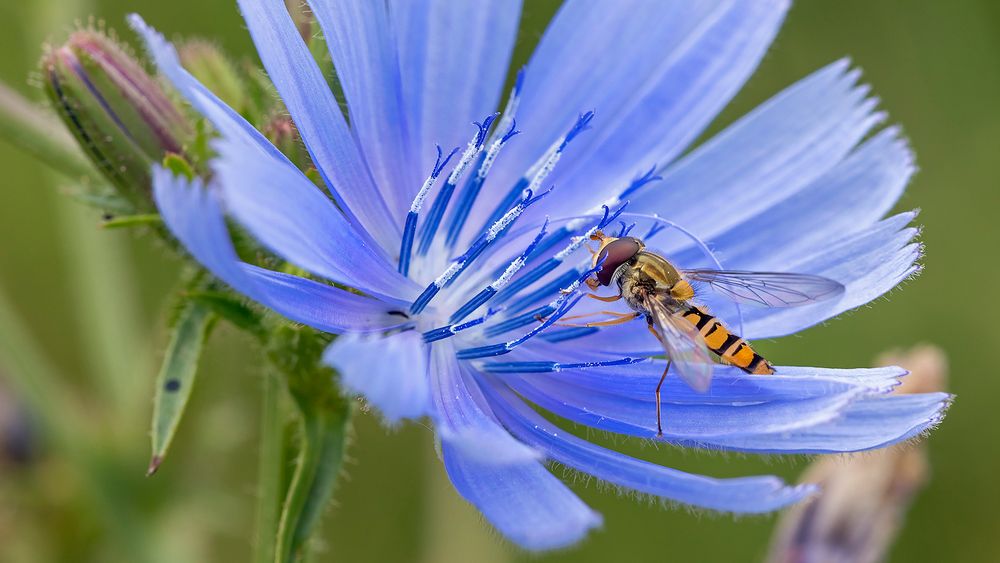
<point>119,113</point>
<point>281,131</point>
<point>864,497</point>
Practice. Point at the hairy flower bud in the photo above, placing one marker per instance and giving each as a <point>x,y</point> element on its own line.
<point>119,114</point>
<point>213,68</point>
<point>282,133</point>
<point>864,497</point>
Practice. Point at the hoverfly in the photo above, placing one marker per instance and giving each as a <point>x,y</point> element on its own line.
<point>655,289</point>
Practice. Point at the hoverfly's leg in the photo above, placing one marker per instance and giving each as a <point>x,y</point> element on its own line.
<point>616,314</point>
<point>611,322</point>
<point>609,299</point>
<point>621,318</point>
<point>659,419</point>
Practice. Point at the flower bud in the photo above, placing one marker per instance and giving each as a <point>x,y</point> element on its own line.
<point>119,114</point>
<point>865,496</point>
<point>216,71</point>
<point>282,133</point>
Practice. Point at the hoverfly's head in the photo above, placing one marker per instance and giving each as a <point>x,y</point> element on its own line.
<point>615,253</point>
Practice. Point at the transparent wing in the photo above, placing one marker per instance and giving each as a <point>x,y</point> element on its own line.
<point>771,289</point>
<point>685,347</point>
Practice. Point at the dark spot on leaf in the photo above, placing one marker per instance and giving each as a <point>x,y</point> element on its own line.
<point>172,385</point>
<point>398,314</point>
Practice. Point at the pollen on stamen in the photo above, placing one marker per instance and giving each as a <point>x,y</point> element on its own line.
<point>470,192</point>
<point>537,173</point>
<point>410,226</point>
<point>440,205</point>
<point>491,290</point>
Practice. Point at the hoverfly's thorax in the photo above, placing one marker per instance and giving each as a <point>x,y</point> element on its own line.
<point>616,253</point>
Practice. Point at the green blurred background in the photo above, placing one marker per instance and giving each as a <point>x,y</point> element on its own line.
<point>94,303</point>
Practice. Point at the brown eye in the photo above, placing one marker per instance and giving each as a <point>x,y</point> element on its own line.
<point>615,254</point>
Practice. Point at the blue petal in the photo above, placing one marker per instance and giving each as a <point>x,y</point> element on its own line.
<point>656,73</point>
<point>766,157</point>
<point>498,474</point>
<point>853,195</point>
<point>869,264</point>
<point>865,425</point>
<point>672,102</point>
<point>681,421</point>
<point>228,123</point>
<point>462,418</point>
<point>246,147</point>
<point>453,58</point>
<point>525,502</point>
<point>363,49</point>
<point>390,371</point>
<point>291,216</point>
<point>318,119</point>
<point>194,217</point>
<point>861,424</point>
<point>747,494</point>
<point>730,385</point>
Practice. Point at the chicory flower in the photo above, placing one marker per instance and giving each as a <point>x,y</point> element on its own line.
<point>455,256</point>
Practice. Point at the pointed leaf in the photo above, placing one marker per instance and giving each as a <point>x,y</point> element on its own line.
<point>176,378</point>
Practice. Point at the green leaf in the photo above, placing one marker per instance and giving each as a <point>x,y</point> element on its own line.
<point>128,221</point>
<point>176,378</point>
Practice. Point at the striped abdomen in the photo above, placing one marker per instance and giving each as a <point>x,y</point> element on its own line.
<point>730,347</point>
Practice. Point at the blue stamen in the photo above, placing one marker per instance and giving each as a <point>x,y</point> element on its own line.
<point>519,321</point>
<point>474,184</point>
<point>450,330</point>
<point>505,347</point>
<point>655,229</point>
<point>640,181</point>
<point>440,205</point>
<point>410,226</point>
<point>551,241</point>
<point>542,167</point>
<point>609,219</point>
<point>489,291</point>
<point>480,245</point>
<point>626,229</point>
<point>567,299</point>
<point>550,367</point>
<point>554,262</point>
<point>569,334</point>
<point>581,125</point>
<point>531,298</point>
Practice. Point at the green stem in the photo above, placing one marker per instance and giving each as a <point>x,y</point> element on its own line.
<point>28,127</point>
<point>324,439</point>
<point>269,474</point>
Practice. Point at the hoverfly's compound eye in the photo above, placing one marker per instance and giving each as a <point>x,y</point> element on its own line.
<point>616,253</point>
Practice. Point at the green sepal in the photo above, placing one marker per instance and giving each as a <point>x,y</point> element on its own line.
<point>178,165</point>
<point>230,308</point>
